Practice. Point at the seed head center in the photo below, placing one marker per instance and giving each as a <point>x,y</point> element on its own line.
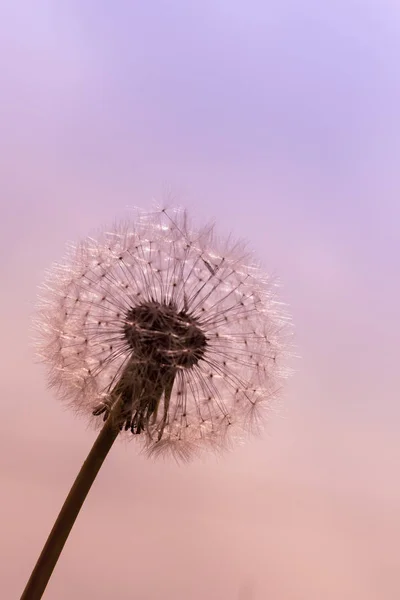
<point>163,336</point>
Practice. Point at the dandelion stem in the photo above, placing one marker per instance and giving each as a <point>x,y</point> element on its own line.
<point>59,534</point>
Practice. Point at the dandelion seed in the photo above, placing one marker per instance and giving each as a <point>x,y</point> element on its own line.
<point>185,330</point>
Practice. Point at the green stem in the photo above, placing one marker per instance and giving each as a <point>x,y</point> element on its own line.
<point>58,536</point>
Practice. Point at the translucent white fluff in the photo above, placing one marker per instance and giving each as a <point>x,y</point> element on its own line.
<point>200,363</point>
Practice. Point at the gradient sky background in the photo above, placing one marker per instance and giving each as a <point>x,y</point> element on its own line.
<point>280,120</point>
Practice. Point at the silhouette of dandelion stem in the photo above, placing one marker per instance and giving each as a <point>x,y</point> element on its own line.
<point>59,534</point>
<point>166,335</point>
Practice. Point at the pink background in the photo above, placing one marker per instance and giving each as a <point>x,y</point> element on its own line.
<point>280,120</point>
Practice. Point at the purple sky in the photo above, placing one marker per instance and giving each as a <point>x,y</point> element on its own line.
<point>280,120</point>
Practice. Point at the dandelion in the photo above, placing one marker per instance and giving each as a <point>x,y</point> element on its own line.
<point>166,334</point>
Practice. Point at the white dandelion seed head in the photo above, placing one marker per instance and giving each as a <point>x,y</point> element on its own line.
<point>184,329</point>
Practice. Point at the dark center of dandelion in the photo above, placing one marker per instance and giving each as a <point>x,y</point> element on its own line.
<point>161,335</point>
<point>162,340</point>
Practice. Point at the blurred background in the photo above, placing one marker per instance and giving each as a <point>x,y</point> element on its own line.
<point>281,121</point>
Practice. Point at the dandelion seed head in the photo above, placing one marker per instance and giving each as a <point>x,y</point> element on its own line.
<point>185,329</point>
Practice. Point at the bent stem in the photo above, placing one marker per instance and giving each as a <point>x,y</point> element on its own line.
<point>58,536</point>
